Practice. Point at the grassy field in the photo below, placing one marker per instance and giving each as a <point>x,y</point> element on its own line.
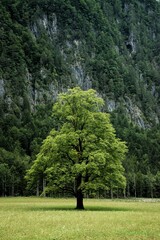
<point>56,219</point>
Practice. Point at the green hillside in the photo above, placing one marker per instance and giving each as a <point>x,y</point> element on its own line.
<point>48,46</point>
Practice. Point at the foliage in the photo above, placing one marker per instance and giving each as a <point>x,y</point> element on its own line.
<point>83,154</point>
<point>113,47</point>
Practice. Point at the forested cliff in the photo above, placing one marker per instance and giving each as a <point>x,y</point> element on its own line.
<point>48,46</point>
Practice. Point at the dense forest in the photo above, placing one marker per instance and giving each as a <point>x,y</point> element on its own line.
<point>48,46</point>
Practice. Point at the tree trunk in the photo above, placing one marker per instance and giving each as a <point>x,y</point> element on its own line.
<point>135,186</point>
<point>124,193</point>
<point>79,200</point>
<point>117,193</point>
<point>5,187</point>
<point>128,190</point>
<point>44,187</point>
<point>78,192</point>
<point>151,191</point>
<point>12,190</point>
<point>111,193</point>
<point>37,189</point>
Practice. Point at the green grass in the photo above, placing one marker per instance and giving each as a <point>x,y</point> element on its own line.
<point>56,219</point>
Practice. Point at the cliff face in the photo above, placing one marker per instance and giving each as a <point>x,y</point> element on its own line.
<point>49,46</point>
<point>111,46</point>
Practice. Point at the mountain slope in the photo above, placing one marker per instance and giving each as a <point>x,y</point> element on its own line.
<point>111,46</point>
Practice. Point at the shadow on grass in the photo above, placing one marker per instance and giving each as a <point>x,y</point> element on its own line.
<point>88,208</point>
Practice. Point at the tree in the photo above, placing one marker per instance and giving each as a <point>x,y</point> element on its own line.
<point>83,154</point>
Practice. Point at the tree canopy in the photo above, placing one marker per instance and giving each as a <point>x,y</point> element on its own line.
<point>83,153</point>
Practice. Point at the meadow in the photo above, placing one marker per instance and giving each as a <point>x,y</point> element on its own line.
<point>56,219</point>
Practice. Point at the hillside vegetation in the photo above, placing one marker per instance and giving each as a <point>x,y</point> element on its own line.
<point>48,46</point>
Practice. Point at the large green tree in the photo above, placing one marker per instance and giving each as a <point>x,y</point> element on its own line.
<point>83,154</point>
